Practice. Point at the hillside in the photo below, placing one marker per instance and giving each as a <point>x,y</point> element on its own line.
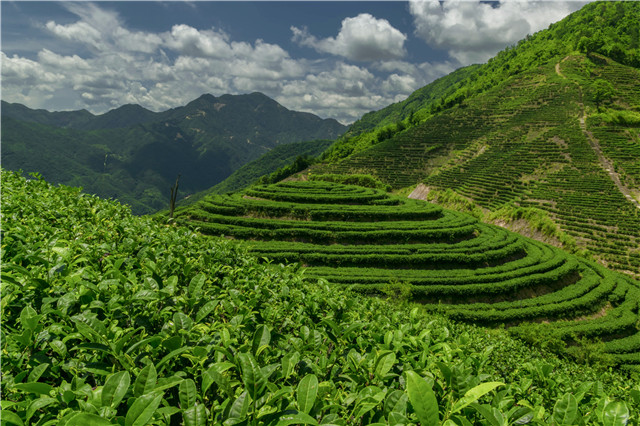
<point>278,157</point>
<point>138,322</point>
<point>365,240</point>
<point>550,124</point>
<point>135,155</point>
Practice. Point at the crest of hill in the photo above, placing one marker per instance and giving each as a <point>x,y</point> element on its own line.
<point>608,28</point>
<point>548,128</point>
<point>134,155</point>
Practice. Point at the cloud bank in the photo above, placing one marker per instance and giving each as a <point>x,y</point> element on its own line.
<point>473,32</point>
<point>362,38</point>
<point>364,67</point>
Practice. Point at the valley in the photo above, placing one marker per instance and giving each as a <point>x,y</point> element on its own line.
<point>134,155</point>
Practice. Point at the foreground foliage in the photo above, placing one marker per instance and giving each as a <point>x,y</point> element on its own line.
<point>113,319</point>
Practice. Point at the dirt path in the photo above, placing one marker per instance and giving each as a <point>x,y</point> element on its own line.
<point>558,67</point>
<point>606,164</point>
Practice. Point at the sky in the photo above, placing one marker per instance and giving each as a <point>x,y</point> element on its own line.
<point>334,59</point>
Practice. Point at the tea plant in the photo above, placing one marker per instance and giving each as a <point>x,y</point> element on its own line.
<point>109,318</point>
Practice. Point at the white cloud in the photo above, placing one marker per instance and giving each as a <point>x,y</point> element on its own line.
<point>473,32</point>
<point>163,70</point>
<point>361,38</point>
<point>191,42</point>
<point>47,57</point>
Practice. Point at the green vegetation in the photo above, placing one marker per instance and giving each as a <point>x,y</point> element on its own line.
<point>108,318</point>
<point>134,155</point>
<point>367,181</point>
<point>369,241</point>
<point>541,126</point>
<point>280,156</point>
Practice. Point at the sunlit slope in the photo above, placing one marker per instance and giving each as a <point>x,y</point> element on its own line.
<point>364,239</point>
<point>551,123</point>
<point>536,140</point>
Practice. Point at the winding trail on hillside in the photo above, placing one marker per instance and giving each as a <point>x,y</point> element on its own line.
<point>605,163</point>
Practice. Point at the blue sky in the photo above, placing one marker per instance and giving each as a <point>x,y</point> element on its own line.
<point>334,59</point>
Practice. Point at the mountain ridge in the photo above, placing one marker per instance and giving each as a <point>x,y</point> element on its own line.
<point>549,125</point>
<point>135,155</point>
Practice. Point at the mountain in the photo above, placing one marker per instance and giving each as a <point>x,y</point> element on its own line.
<point>135,155</point>
<point>278,157</point>
<point>548,128</point>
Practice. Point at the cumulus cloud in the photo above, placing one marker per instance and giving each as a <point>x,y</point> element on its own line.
<point>116,65</point>
<point>473,32</point>
<point>192,42</point>
<point>361,38</point>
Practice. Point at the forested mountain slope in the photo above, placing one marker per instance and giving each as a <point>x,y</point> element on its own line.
<point>135,155</point>
<point>280,156</point>
<point>552,123</point>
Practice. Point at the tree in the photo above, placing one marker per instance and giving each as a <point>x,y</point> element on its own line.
<point>601,91</point>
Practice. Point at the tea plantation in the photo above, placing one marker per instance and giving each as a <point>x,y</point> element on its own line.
<point>526,143</point>
<point>548,124</point>
<point>363,239</point>
<point>108,318</point>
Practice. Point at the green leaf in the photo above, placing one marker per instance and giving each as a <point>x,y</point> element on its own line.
<point>206,310</point>
<point>195,286</point>
<point>29,318</point>
<point>168,382</point>
<point>88,419</point>
<point>616,413</point>
<point>296,419</point>
<point>182,321</point>
<point>385,362</point>
<point>115,389</point>
<point>36,405</point>
<point>240,407</point>
<point>171,355</point>
<point>35,387</point>
<point>565,412</point>
<point>195,416</point>
<point>143,408</point>
<point>486,412</point>
<point>187,394</point>
<point>11,418</point>
<point>214,375</point>
<point>307,392</point>
<point>396,418</point>
<point>146,381</point>
<point>252,377</point>
<point>396,402</point>
<point>37,372</point>
<point>423,399</point>
<point>289,362</point>
<point>472,395</point>
<point>59,347</point>
<point>261,339</point>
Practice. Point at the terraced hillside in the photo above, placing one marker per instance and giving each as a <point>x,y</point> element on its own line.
<point>537,140</point>
<point>366,240</point>
<point>552,124</point>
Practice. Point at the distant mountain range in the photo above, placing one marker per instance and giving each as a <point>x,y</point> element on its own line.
<point>134,155</point>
